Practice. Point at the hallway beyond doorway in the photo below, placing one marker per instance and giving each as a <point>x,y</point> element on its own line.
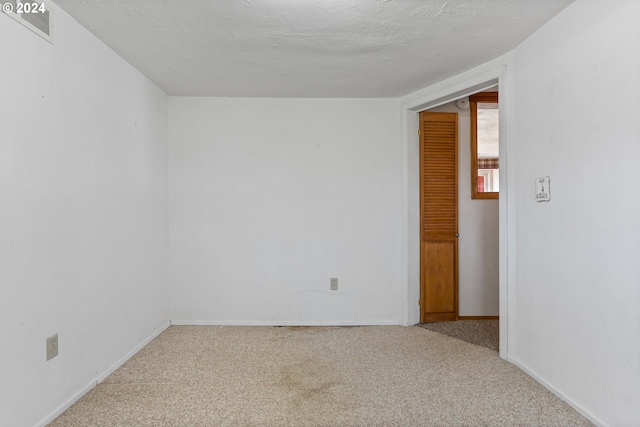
<point>484,333</point>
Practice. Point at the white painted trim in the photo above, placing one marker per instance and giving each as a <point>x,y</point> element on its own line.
<point>279,323</point>
<point>459,86</point>
<point>67,404</point>
<point>404,220</point>
<point>101,377</point>
<point>467,83</point>
<point>137,348</point>
<point>506,209</point>
<point>588,415</point>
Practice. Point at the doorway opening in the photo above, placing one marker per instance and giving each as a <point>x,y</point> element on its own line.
<point>457,88</point>
<point>460,285</point>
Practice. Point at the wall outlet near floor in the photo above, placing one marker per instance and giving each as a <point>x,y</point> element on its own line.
<point>334,283</point>
<point>52,346</point>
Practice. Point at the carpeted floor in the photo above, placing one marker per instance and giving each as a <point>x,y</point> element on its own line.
<point>316,376</point>
<point>485,333</point>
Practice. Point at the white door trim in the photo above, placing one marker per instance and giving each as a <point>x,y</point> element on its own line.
<point>465,84</point>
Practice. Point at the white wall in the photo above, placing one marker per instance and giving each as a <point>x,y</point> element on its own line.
<point>83,218</point>
<point>270,198</point>
<point>478,229</point>
<point>576,84</point>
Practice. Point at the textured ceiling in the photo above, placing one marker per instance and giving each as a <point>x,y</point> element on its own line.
<point>308,48</point>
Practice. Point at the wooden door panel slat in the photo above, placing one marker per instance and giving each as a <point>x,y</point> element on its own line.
<point>439,216</point>
<point>438,267</point>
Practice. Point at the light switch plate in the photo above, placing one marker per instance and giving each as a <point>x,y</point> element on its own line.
<point>543,189</point>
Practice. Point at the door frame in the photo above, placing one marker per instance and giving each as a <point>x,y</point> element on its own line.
<point>470,82</point>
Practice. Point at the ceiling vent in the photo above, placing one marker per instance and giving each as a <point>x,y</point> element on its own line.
<point>36,16</point>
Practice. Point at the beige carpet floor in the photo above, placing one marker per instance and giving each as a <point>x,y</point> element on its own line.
<point>316,376</point>
<point>485,333</point>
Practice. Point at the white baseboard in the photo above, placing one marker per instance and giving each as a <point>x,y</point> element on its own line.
<point>588,415</point>
<point>100,377</point>
<point>282,323</point>
<point>67,404</point>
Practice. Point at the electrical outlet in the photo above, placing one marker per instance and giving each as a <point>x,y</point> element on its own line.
<point>52,346</point>
<point>334,283</point>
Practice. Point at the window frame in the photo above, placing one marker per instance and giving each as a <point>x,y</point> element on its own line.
<point>482,97</point>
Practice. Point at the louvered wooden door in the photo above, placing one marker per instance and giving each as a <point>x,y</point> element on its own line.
<point>439,216</point>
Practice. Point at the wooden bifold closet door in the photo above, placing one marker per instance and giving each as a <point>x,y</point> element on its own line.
<point>438,216</point>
